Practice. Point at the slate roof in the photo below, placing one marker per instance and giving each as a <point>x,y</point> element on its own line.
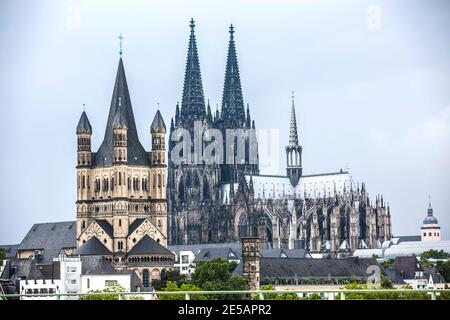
<point>99,265</point>
<point>51,235</point>
<point>158,124</point>
<point>406,266</point>
<point>134,225</point>
<point>196,248</point>
<point>93,247</point>
<point>312,268</point>
<point>136,153</point>
<point>408,238</point>
<point>105,225</point>
<point>207,254</point>
<point>84,126</point>
<point>284,253</point>
<point>149,246</point>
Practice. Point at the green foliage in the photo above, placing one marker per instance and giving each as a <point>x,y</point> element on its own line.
<point>417,295</point>
<point>276,296</point>
<point>386,283</point>
<point>375,256</point>
<point>109,293</point>
<point>435,254</point>
<point>216,275</point>
<point>172,286</point>
<point>173,276</point>
<point>387,263</point>
<point>2,255</point>
<point>443,268</point>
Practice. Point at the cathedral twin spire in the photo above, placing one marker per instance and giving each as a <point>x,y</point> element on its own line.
<point>193,105</point>
<point>233,112</point>
<point>193,100</point>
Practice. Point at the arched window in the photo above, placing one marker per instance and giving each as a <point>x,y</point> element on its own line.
<point>120,245</point>
<point>145,278</point>
<point>120,222</point>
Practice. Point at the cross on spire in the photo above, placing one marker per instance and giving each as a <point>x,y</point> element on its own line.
<point>192,24</point>
<point>120,37</point>
<point>231,29</point>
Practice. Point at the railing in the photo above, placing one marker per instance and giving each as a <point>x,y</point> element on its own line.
<point>261,294</point>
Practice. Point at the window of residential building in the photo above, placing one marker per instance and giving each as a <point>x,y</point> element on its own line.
<point>110,283</point>
<point>184,259</point>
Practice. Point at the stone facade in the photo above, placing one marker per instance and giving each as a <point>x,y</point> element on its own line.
<point>121,191</point>
<point>222,202</point>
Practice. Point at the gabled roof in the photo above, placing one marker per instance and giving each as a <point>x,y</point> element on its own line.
<point>99,265</point>
<point>51,235</point>
<point>406,266</point>
<point>84,126</point>
<point>93,247</point>
<point>149,246</point>
<point>158,124</point>
<point>136,153</point>
<point>105,225</point>
<point>134,225</point>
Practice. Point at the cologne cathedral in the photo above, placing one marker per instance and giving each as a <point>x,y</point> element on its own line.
<point>223,202</point>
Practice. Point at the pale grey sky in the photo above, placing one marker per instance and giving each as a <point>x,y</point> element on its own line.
<point>373,94</point>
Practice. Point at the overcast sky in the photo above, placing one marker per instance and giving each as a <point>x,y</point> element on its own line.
<point>371,81</point>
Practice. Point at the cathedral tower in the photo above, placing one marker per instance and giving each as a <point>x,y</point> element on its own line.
<point>294,150</point>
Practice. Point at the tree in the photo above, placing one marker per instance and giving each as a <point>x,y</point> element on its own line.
<point>386,283</point>
<point>444,269</point>
<point>216,275</point>
<point>434,254</point>
<point>2,255</point>
<point>172,286</point>
<point>173,275</point>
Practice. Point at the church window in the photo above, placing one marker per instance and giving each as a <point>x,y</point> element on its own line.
<point>84,224</point>
<point>83,182</point>
<point>134,240</point>
<point>120,245</point>
<point>112,184</point>
<point>120,222</point>
<point>145,278</point>
<point>120,178</point>
<point>159,222</point>
<point>104,241</point>
<point>129,183</point>
<point>159,181</point>
<point>105,184</point>
<point>154,181</point>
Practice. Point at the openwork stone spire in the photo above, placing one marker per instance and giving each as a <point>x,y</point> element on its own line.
<point>233,111</point>
<point>193,101</point>
<point>293,136</point>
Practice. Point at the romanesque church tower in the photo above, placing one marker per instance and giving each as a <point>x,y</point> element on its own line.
<point>121,190</point>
